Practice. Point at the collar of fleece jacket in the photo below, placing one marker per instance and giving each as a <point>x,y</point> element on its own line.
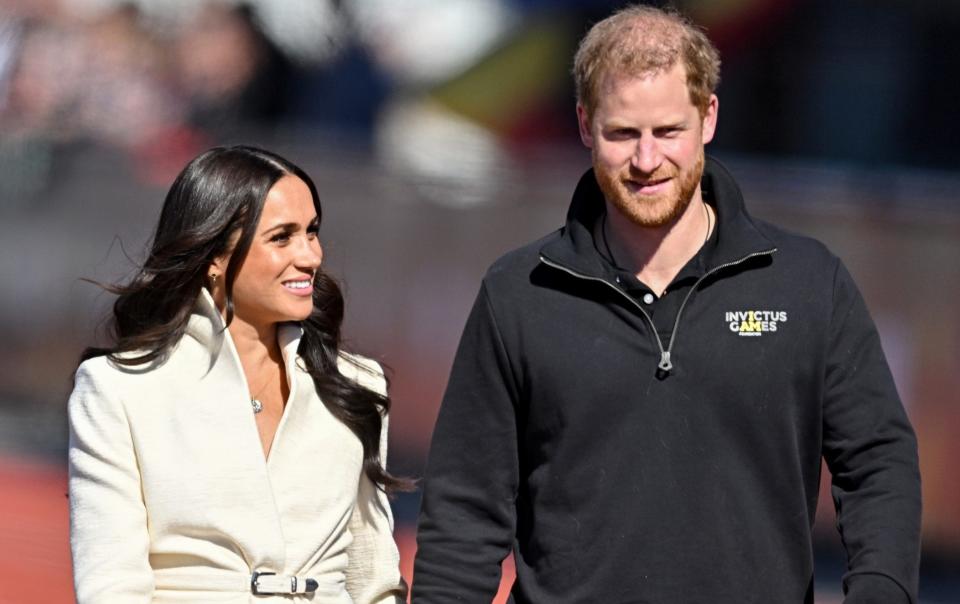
<point>737,235</point>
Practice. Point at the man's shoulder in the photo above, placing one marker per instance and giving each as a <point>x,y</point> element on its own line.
<point>796,246</point>
<point>518,263</point>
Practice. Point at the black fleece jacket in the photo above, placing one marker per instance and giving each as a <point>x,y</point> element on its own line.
<point>619,473</point>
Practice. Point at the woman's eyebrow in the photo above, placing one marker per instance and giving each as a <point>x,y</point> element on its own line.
<point>285,226</point>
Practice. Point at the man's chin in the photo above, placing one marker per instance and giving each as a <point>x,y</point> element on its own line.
<point>648,211</point>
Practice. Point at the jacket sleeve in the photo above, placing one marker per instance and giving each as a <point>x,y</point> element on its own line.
<point>108,522</point>
<point>467,516</point>
<point>871,451</point>
<point>373,568</point>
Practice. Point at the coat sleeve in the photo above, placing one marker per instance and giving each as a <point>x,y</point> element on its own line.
<point>108,522</point>
<point>468,512</point>
<point>871,451</point>
<point>373,568</point>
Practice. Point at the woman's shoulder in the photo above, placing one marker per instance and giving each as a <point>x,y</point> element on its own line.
<point>98,382</point>
<point>128,369</point>
<point>105,368</point>
<point>103,375</point>
<point>121,365</point>
<point>363,370</point>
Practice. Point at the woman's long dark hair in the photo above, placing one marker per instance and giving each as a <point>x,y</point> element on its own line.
<point>219,194</point>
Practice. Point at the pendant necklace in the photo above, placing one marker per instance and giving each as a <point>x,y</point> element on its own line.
<point>706,211</point>
<point>606,244</point>
<point>255,401</point>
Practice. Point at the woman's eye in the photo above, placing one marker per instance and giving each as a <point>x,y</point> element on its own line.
<point>280,238</point>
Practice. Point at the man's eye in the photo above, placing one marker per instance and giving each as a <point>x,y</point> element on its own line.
<point>622,134</point>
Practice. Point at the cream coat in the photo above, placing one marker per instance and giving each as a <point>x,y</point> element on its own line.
<point>172,500</point>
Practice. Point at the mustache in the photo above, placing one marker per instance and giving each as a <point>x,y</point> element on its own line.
<point>663,173</point>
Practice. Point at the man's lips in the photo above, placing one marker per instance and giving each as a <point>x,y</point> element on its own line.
<point>647,187</point>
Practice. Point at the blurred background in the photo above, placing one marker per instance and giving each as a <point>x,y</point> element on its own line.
<point>440,135</point>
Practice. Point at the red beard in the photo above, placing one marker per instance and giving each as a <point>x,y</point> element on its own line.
<point>650,210</point>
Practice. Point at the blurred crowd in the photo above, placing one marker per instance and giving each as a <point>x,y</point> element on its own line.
<point>162,79</point>
<point>112,77</point>
<point>423,81</point>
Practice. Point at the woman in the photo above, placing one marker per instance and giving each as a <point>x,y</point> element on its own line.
<point>224,448</point>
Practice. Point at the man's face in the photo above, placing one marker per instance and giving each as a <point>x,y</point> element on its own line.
<point>647,139</point>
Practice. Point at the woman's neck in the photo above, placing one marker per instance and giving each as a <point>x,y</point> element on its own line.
<point>255,344</point>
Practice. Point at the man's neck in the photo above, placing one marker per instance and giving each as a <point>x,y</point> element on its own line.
<point>656,254</point>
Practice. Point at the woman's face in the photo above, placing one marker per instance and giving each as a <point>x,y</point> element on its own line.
<point>275,281</point>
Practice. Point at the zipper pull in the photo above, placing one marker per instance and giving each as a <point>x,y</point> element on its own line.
<point>665,364</point>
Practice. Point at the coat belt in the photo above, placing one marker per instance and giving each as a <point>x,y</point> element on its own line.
<point>262,583</point>
<point>258,583</point>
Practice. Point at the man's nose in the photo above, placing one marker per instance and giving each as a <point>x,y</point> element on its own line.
<point>647,157</point>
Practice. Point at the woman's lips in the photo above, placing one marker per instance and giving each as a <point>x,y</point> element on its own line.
<point>299,287</point>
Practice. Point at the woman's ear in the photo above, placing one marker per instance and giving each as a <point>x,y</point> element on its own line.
<point>218,266</point>
<point>216,282</point>
<point>215,273</point>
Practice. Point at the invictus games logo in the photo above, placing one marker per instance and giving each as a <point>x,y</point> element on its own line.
<point>755,322</point>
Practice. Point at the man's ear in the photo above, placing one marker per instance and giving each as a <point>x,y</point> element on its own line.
<point>710,119</point>
<point>583,121</point>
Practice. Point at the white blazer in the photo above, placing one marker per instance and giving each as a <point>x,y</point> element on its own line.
<point>172,500</point>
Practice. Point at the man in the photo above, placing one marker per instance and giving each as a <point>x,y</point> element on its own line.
<point>641,400</point>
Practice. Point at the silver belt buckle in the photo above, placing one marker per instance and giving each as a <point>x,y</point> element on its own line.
<point>279,584</point>
<point>254,583</point>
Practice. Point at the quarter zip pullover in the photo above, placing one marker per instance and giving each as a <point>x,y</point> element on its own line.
<point>668,452</point>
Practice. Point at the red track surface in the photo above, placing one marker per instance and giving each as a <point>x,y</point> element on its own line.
<point>34,536</point>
